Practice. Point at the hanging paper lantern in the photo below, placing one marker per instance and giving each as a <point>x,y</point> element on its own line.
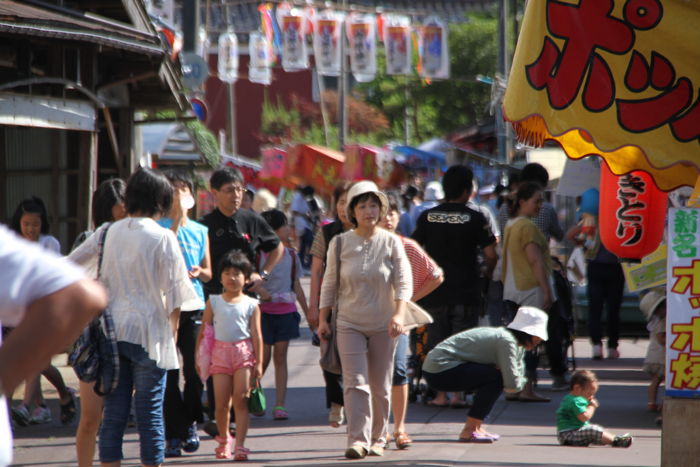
<point>631,214</point>
<point>327,43</point>
<point>294,54</point>
<point>260,52</point>
<point>228,57</point>
<point>363,47</point>
<point>434,53</point>
<point>397,44</point>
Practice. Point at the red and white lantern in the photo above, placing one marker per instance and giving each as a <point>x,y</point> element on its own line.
<point>632,213</point>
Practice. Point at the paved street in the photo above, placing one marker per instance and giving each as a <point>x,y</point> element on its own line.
<point>526,429</point>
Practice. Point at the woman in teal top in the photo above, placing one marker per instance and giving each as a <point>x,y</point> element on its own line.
<point>487,361</point>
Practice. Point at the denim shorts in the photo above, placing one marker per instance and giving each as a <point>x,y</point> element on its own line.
<point>227,357</point>
<point>400,376</point>
<point>279,328</point>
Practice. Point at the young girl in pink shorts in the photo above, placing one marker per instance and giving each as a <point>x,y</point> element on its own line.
<point>235,318</point>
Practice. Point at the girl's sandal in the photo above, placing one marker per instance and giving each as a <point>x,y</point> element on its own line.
<point>402,440</point>
<point>240,453</point>
<point>68,409</point>
<point>223,451</point>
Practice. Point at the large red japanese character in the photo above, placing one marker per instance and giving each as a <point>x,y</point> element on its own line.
<point>646,114</point>
<point>585,28</point>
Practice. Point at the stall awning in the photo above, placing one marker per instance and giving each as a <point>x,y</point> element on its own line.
<point>317,166</point>
<point>612,78</point>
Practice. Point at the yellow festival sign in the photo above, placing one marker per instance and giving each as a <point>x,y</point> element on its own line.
<point>615,78</point>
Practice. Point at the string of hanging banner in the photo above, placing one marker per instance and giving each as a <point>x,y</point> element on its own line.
<point>288,32</point>
<point>338,6</point>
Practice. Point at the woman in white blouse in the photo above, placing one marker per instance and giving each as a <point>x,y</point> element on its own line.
<point>374,285</point>
<point>146,277</point>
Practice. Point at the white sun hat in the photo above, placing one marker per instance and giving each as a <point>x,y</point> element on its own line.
<point>367,186</point>
<point>532,321</point>
<point>650,302</point>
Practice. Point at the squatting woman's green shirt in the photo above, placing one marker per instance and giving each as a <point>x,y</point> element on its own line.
<point>490,346</point>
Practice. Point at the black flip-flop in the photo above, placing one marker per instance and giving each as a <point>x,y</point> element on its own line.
<point>68,410</point>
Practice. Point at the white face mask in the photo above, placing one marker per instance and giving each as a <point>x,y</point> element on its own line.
<point>186,202</point>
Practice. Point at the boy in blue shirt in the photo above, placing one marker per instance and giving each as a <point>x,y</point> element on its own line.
<point>575,411</point>
<point>183,409</point>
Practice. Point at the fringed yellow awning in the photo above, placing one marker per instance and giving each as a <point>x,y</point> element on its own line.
<point>618,79</point>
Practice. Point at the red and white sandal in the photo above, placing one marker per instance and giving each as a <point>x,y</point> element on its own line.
<point>240,453</point>
<point>223,450</point>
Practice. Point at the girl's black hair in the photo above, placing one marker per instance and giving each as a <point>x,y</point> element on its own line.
<point>275,218</point>
<point>108,194</point>
<point>148,192</point>
<point>360,199</point>
<point>523,338</point>
<point>236,259</point>
<point>339,190</point>
<point>393,202</point>
<point>33,205</point>
<point>526,190</point>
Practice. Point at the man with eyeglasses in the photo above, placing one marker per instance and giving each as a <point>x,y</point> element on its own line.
<point>232,228</point>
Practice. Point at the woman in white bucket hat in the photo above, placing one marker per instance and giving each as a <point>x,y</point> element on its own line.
<point>488,361</point>
<point>371,292</point>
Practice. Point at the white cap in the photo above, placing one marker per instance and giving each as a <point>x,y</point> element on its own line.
<point>532,321</point>
<point>433,192</point>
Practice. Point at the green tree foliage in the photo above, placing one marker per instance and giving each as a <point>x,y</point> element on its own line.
<point>301,122</point>
<point>441,107</point>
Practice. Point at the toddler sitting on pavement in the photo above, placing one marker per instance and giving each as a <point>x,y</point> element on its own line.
<point>576,410</point>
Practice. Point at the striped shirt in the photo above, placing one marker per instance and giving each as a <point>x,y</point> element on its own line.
<point>423,267</point>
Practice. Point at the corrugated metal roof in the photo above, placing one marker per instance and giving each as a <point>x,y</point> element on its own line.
<point>19,18</point>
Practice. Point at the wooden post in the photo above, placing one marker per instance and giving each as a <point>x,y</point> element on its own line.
<point>680,432</point>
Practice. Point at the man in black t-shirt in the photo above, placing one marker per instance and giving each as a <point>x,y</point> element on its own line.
<point>452,234</point>
<point>232,228</point>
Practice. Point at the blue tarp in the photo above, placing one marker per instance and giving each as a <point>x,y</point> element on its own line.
<point>416,158</point>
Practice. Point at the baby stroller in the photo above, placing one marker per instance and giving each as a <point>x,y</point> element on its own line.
<point>417,388</point>
<point>564,293</point>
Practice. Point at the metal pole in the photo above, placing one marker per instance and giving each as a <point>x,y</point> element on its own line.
<point>406,115</point>
<point>502,129</point>
<point>343,86</point>
<point>231,101</point>
<point>190,24</point>
<point>231,107</point>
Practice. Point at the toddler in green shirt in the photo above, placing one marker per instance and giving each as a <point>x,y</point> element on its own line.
<point>576,410</point>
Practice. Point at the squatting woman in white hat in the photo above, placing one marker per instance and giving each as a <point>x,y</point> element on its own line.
<point>374,285</point>
<point>488,361</point>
